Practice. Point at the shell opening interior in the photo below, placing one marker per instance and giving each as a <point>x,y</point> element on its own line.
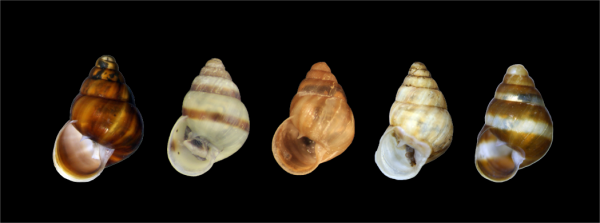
<point>399,158</point>
<point>497,161</point>
<point>294,150</point>
<point>77,157</point>
<point>190,154</point>
<point>197,145</point>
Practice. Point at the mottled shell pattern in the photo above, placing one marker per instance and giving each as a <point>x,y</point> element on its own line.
<point>420,127</point>
<point>320,126</point>
<point>518,128</point>
<point>105,126</point>
<point>214,122</point>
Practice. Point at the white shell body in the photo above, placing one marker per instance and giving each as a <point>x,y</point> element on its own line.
<point>214,113</point>
<point>419,121</point>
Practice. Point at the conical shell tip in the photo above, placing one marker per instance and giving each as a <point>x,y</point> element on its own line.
<point>321,66</point>
<point>419,69</point>
<point>108,62</point>
<point>215,62</point>
<point>517,69</point>
<point>108,58</point>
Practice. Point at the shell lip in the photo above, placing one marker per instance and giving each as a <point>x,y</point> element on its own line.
<point>500,160</point>
<point>64,173</point>
<point>182,162</point>
<point>424,151</point>
<point>281,160</point>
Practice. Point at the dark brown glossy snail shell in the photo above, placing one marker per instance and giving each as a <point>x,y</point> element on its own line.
<point>104,111</point>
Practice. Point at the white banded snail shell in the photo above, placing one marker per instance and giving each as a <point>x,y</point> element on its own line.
<point>214,122</point>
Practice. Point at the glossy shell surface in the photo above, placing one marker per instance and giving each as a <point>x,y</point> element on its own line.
<point>105,119</point>
<point>518,128</point>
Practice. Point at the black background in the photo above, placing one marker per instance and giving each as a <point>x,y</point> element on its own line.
<point>268,47</point>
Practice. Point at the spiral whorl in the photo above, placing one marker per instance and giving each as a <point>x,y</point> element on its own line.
<point>107,62</point>
<point>209,100</point>
<point>419,69</point>
<point>215,79</point>
<point>106,68</point>
<point>419,88</point>
<point>320,81</point>
<point>215,68</point>
<point>321,71</point>
<point>106,81</point>
<point>518,75</point>
<point>319,95</point>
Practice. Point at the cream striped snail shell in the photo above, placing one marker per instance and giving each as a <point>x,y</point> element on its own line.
<point>320,126</point>
<point>214,122</point>
<point>518,128</point>
<point>105,125</point>
<point>420,128</point>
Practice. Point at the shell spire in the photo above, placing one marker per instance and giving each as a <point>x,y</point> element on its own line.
<point>518,128</point>
<point>107,62</point>
<point>420,89</point>
<point>420,126</point>
<point>419,69</point>
<point>215,67</point>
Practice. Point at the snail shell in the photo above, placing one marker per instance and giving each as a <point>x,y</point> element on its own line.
<point>214,123</point>
<point>105,126</point>
<point>420,128</point>
<point>320,126</point>
<point>518,128</point>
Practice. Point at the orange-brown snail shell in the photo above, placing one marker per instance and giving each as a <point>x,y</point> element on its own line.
<point>518,128</point>
<point>320,126</point>
<point>105,126</point>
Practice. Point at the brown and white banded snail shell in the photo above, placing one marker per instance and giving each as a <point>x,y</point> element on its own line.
<point>214,122</point>
<point>320,126</point>
<point>518,128</point>
<point>420,128</point>
<point>105,126</point>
